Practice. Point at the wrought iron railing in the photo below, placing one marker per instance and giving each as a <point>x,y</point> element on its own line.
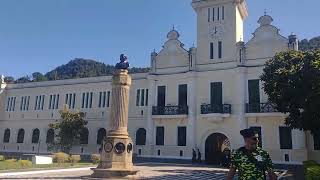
<point>169,110</point>
<point>260,108</point>
<point>216,108</point>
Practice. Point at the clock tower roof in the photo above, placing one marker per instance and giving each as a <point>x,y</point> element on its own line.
<point>265,20</point>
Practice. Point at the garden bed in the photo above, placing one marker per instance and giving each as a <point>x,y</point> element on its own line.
<point>7,166</point>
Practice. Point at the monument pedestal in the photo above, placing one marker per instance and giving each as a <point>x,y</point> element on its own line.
<point>116,158</point>
<point>116,155</point>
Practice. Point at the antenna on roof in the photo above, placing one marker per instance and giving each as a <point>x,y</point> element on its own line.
<point>265,12</point>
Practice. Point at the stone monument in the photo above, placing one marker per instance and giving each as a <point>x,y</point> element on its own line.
<point>116,154</point>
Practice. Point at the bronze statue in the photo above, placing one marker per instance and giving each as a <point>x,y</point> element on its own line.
<point>123,64</point>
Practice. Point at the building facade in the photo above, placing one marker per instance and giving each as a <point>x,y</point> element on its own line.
<point>196,98</point>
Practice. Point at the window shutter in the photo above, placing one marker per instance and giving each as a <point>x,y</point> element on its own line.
<point>216,93</point>
<point>285,138</point>
<point>183,95</point>
<point>160,136</point>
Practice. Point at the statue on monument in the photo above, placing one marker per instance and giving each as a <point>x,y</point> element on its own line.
<point>2,79</point>
<point>123,64</point>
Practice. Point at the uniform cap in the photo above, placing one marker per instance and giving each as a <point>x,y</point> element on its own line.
<point>247,133</point>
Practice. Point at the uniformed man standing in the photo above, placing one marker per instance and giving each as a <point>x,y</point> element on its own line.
<point>251,161</point>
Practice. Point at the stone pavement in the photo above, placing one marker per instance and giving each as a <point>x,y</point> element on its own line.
<point>152,171</point>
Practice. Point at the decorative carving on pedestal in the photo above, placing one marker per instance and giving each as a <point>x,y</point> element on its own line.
<point>116,157</point>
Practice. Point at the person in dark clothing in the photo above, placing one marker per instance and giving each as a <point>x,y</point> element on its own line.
<point>251,161</point>
<point>226,158</point>
<point>199,156</point>
<point>194,156</point>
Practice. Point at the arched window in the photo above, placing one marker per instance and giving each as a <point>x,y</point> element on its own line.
<point>6,137</point>
<point>35,135</point>
<point>20,137</point>
<point>101,134</point>
<point>141,137</point>
<point>84,134</point>
<point>50,136</point>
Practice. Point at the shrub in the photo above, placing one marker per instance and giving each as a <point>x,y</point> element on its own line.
<point>60,157</point>
<point>74,159</point>
<point>312,170</point>
<point>95,158</point>
<point>9,164</point>
<point>1,158</point>
<point>24,163</point>
<point>11,160</point>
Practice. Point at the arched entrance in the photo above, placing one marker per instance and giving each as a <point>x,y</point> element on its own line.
<point>216,143</point>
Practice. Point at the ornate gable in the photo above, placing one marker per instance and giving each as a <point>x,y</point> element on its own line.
<point>173,58</point>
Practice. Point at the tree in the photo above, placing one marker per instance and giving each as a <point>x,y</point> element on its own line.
<point>24,79</point>
<point>292,82</point>
<point>68,130</point>
<point>9,79</point>
<point>312,44</point>
<point>37,77</point>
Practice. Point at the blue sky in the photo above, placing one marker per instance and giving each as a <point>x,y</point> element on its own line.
<point>39,35</point>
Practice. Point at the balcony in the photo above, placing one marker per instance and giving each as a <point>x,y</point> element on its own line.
<point>215,112</point>
<point>170,110</point>
<point>262,109</point>
<point>216,109</point>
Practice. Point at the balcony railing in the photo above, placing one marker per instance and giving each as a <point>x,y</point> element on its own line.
<point>260,108</point>
<point>169,110</point>
<point>216,108</point>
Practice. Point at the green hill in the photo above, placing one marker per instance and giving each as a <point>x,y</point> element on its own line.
<point>77,68</point>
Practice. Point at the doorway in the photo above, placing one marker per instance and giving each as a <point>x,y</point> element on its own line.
<point>215,146</point>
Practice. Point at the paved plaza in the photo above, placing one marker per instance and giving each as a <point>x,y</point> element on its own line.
<point>156,171</point>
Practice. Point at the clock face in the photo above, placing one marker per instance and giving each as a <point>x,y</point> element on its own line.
<point>216,31</point>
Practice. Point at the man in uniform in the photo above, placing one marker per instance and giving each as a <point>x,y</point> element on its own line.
<point>251,161</point>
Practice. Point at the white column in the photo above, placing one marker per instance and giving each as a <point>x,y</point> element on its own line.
<point>150,123</point>
<point>191,134</point>
<point>92,139</point>
<point>239,105</point>
<point>121,83</point>
<point>241,96</point>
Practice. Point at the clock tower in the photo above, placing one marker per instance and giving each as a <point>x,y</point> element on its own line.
<point>219,28</point>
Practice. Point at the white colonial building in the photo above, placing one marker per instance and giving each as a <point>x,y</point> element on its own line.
<point>196,98</point>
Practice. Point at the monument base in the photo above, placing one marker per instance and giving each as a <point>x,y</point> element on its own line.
<point>116,158</point>
<point>111,173</point>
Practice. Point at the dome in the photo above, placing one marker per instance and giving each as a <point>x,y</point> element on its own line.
<point>265,20</point>
<point>173,35</point>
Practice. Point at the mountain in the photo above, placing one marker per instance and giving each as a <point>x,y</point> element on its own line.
<point>77,68</point>
<point>82,68</point>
